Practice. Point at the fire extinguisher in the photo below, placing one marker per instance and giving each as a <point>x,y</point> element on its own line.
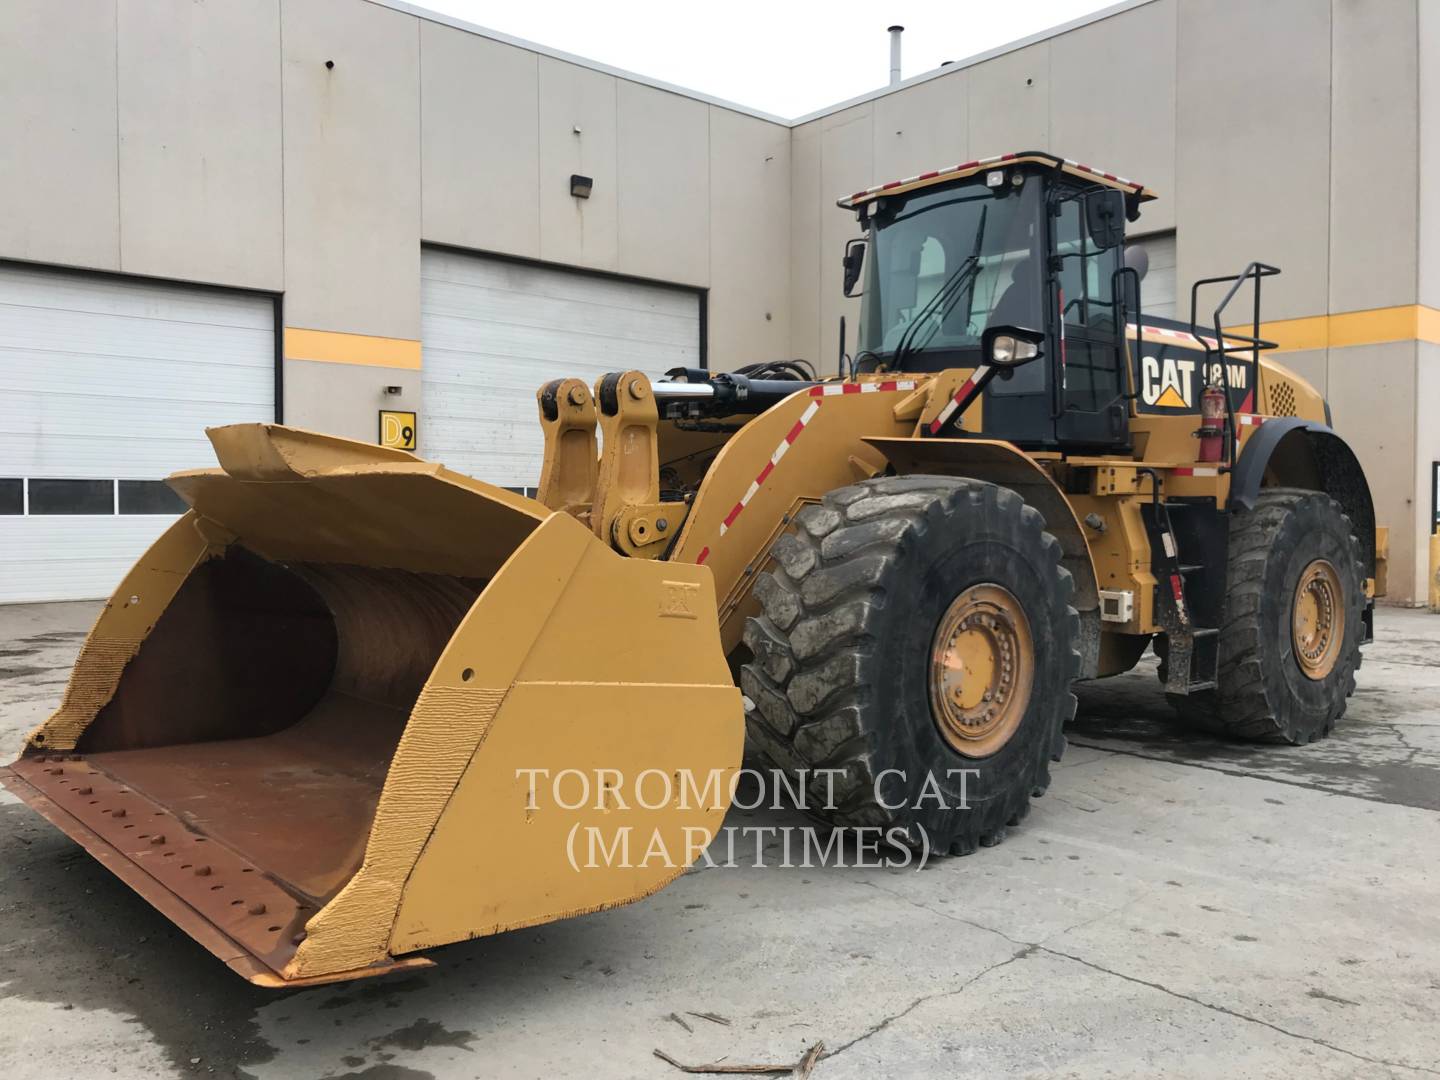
<point>1212,423</point>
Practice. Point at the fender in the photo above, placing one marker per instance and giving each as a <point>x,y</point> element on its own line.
<point>1001,463</point>
<point>1310,447</point>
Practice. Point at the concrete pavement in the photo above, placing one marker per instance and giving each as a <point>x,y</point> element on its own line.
<point>1174,905</point>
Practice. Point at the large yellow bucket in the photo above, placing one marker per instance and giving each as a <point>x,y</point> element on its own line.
<point>353,705</point>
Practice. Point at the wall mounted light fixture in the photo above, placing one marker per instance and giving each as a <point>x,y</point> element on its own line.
<point>580,186</point>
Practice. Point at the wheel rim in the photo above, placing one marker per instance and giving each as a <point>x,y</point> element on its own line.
<point>982,666</point>
<point>1317,620</point>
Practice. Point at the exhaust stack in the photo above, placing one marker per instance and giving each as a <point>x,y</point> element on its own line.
<point>895,32</point>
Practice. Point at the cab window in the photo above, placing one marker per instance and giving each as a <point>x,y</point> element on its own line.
<point>944,265</point>
<point>1090,358</point>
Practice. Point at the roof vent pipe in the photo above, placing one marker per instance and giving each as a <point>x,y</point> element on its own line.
<point>895,32</point>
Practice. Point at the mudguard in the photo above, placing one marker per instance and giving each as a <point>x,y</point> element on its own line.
<point>1335,468</point>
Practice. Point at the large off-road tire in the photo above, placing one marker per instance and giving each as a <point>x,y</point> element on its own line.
<point>1292,622</point>
<point>880,587</point>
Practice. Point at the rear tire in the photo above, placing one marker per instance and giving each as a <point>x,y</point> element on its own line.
<point>845,648</point>
<point>1279,681</point>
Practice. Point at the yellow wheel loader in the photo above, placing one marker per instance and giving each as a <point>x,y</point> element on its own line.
<point>354,705</point>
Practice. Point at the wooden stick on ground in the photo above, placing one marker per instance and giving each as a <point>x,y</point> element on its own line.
<point>721,1068</point>
<point>809,1061</point>
<point>801,1069</point>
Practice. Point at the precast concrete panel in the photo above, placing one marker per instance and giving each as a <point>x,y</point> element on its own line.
<point>1112,101</point>
<point>1374,155</point>
<point>809,205</point>
<point>923,127</point>
<point>578,137</point>
<point>1373,403</point>
<point>479,142</point>
<point>846,164</point>
<point>58,178</point>
<point>663,185</point>
<point>352,168</point>
<point>749,312</point>
<point>1252,131</point>
<point>201,196</point>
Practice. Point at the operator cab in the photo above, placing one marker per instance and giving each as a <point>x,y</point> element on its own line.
<point>1022,248</point>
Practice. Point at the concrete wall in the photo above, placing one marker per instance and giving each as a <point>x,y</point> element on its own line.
<point>1427,387</point>
<point>352,168</point>
<point>310,147</point>
<point>1251,158</point>
<point>1429,152</point>
<point>1313,164</point>
<point>200,169</point>
<point>1427,451</point>
<point>1374,120</point>
<point>1372,393</point>
<point>1103,93</point>
<point>62,101</point>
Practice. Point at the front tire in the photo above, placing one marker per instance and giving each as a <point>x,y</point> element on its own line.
<point>1292,624</point>
<point>912,626</point>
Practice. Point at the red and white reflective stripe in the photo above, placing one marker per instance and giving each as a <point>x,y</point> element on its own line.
<point>818,393</point>
<point>834,388</point>
<point>780,452</point>
<point>980,163</point>
<point>961,395</point>
<point>1198,470</point>
<point>1248,419</point>
<point>1099,172</point>
<point>1177,588</point>
<point>1175,335</point>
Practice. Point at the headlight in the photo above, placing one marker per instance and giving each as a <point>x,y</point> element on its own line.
<point>1007,350</point>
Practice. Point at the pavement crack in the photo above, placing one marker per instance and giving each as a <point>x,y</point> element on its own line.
<point>1025,948</point>
<point>1411,750</point>
<point>1108,913</point>
<point>1236,1014</point>
<point>881,1025</point>
<point>950,915</point>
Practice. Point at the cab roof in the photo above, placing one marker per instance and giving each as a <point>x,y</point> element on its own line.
<point>969,168</point>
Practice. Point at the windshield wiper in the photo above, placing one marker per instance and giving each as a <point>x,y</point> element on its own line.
<point>946,296</point>
<point>944,299</point>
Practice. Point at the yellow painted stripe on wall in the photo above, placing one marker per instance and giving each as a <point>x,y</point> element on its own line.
<point>1429,325</point>
<point>1409,322</point>
<point>333,347</point>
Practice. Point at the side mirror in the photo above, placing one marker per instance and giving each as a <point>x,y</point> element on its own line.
<point>1105,218</point>
<point>853,261</point>
<point>1010,346</point>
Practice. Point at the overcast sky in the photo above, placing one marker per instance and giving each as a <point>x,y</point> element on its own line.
<point>783,58</point>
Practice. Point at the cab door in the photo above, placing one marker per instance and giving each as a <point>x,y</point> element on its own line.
<point>1089,393</point>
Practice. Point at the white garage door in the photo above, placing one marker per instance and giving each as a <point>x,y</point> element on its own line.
<point>493,331</point>
<point>1157,291</point>
<point>108,385</point>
